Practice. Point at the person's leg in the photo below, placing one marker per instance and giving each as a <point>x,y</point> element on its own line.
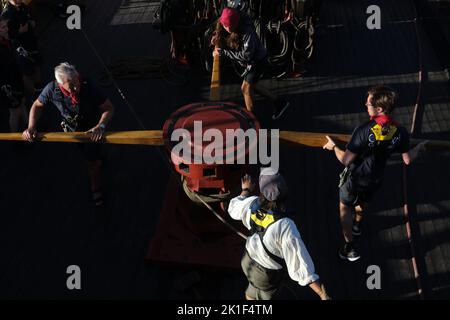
<point>252,78</point>
<point>248,297</point>
<point>95,177</point>
<point>359,211</point>
<point>93,154</point>
<point>248,265</point>
<point>249,85</point>
<point>345,213</point>
<point>348,197</point>
<point>247,91</point>
<point>365,196</point>
<point>94,174</point>
<point>279,105</point>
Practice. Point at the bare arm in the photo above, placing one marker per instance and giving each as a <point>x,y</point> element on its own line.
<point>345,157</point>
<point>107,112</point>
<point>414,153</point>
<point>30,133</point>
<point>319,289</point>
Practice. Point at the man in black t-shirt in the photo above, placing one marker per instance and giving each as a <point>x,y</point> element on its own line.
<point>83,108</point>
<point>368,150</point>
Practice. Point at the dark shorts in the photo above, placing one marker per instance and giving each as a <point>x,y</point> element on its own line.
<point>351,193</point>
<point>255,72</point>
<point>263,283</point>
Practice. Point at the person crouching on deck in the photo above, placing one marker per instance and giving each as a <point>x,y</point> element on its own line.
<point>235,38</point>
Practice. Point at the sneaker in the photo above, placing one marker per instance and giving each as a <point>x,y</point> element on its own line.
<point>280,107</point>
<point>356,229</point>
<point>349,253</point>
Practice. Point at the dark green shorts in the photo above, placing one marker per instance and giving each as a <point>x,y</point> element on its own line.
<point>263,283</point>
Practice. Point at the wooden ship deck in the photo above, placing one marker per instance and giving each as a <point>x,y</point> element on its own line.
<point>47,221</point>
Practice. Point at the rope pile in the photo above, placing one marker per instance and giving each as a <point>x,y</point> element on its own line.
<point>142,67</point>
<point>285,27</point>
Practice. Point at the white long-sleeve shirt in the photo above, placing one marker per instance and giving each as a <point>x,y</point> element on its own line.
<point>281,239</point>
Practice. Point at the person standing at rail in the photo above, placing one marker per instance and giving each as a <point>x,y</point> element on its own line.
<point>235,38</point>
<point>275,247</point>
<point>22,33</point>
<point>368,150</point>
<point>83,108</point>
<point>11,82</point>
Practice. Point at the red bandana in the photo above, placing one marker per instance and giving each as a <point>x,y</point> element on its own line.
<point>383,120</point>
<point>72,96</point>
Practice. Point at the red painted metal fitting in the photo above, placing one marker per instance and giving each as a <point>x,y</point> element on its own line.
<point>213,115</point>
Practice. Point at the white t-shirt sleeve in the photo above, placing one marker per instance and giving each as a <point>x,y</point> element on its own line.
<point>239,208</point>
<point>298,261</point>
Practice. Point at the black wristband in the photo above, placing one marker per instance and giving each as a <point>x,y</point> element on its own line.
<point>246,189</point>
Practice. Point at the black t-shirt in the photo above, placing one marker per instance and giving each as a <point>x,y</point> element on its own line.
<point>17,17</point>
<point>373,145</point>
<point>90,98</point>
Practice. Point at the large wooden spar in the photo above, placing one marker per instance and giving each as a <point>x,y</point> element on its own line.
<point>155,138</point>
<point>312,139</point>
<point>214,93</point>
<point>151,137</point>
<point>315,139</point>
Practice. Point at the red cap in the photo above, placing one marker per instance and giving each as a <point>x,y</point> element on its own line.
<point>229,18</point>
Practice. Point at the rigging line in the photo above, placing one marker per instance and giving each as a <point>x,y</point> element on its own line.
<point>114,82</point>
<point>220,217</point>
<point>132,110</point>
<point>124,98</point>
<point>160,153</point>
<point>406,211</point>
